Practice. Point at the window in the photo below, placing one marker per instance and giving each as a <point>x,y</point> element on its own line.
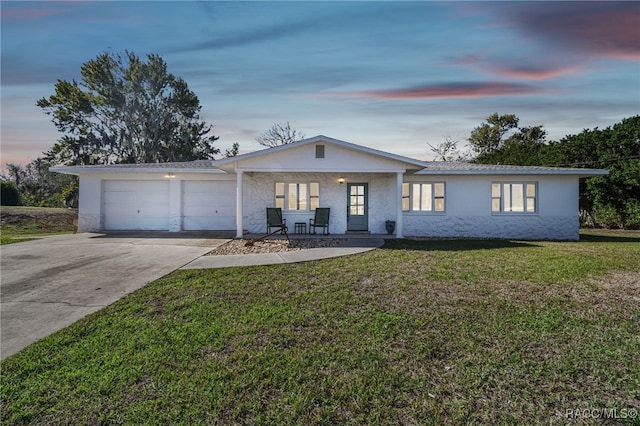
<point>297,196</point>
<point>280,195</point>
<point>423,197</point>
<point>517,197</point>
<point>357,200</point>
<point>319,151</point>
<point>405,197</point>
<point>314,196</point>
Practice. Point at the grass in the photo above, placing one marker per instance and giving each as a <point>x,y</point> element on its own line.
<point>29,223</point>
<point>11,235</point>
<point>418,332</point>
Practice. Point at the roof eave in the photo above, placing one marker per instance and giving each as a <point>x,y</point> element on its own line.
<point>582,173</point>
<point>77,170</point>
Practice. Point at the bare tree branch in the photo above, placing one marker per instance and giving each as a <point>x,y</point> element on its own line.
<point>448,150</point>
<point>279,134</point>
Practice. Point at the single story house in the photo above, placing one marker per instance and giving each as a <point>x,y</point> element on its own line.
<point>363,187</point>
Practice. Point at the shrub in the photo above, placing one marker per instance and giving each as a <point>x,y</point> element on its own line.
<point>608,217</point>
<point>632,210</point>
<point>10,195</point>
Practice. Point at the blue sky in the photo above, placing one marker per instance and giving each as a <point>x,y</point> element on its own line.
<point>389,75</point>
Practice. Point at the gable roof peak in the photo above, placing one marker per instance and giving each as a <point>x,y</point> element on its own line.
<point>417,164</point>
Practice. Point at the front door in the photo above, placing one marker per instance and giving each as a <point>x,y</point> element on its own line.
<point>357,207</point>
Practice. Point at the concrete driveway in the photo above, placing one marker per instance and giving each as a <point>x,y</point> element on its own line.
<point>48,284</point>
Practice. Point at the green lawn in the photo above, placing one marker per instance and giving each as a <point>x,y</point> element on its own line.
<point>418,332</point>
<point>21,223</point>
<point>11,236</point>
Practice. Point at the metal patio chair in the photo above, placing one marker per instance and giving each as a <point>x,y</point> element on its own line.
<point>321,220</point>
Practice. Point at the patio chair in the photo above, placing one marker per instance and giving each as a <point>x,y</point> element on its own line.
<point>275,220</point>
<point>321,220</point>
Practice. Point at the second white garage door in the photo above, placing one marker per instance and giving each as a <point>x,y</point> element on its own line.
<point>133,205</point>
<point>209,205</point>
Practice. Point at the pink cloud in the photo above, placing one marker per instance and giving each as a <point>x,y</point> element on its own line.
<point>448,91</point>
<point>534,73</point>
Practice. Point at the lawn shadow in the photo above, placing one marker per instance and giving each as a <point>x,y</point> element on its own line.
<point>454,244</point>
<point>608,238</point>
<point>166,234</point>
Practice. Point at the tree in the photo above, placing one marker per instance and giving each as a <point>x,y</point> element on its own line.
<point>40,187</point>
<point>527,146</point>
<point>126,110</point>
<point>612,200</point>
<point>448,151</point>
<point>279,134</point>
<point>10,195</point>
<point>233,151</point>
<point>490,136</point>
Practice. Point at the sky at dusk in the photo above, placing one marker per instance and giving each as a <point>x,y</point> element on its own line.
<point>388,75</point>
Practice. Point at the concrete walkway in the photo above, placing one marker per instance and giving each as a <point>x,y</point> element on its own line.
<point>351,246</point>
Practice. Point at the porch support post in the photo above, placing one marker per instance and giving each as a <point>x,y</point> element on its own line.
<point>399,178</point>
<point>239,192</point>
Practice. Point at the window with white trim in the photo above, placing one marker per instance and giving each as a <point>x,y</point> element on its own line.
<point>514,197</point>
<point>314,196</point>
<point>280,195</point>
<point>297,196</point>
<point>406,199</point>
<point>423,197</point>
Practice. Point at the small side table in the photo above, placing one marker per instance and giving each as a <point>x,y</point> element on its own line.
<point>300,227</point>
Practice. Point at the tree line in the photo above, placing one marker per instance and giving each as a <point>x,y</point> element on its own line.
<point>130,110</point>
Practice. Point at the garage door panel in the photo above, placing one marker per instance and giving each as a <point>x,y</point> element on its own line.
<point>194,223</point>
<point>218,188</point>
<point>200,206</point>
<point>139,198</point>
<point>136,205</point>
<point>135,185</point>
<point>209,205</point>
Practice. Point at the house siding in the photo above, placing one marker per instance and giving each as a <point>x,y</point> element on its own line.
<point>468,210</point>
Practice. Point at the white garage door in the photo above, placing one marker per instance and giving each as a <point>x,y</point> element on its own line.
<point>133,205</point>
<point>209,205</point>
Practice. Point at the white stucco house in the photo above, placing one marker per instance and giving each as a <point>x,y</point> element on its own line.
<point>363,187</point>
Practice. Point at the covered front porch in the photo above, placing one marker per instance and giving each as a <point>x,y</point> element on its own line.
<point>361,186</point>
<point>359,203</point>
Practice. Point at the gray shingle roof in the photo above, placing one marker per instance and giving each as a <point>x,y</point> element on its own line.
<point>201,166</point>
<point>424,168</point>
<point>452,167</point>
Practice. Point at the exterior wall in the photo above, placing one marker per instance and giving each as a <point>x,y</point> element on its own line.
<point>303,158</point>
<point>467,203</point>
<point>260,194</point>
<point>91,201</point>
<point>90,204</point>
<point>468,210</point>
